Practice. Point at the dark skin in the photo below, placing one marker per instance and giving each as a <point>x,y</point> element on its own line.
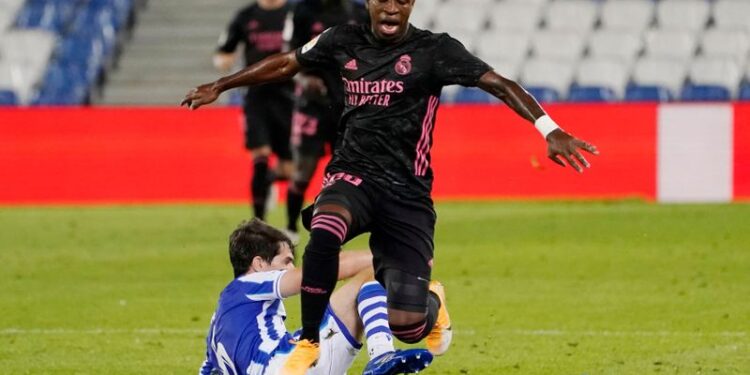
<point>390,23</point>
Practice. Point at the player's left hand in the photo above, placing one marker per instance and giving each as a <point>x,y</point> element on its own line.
<point>200,96</point>
<point>563,145</point>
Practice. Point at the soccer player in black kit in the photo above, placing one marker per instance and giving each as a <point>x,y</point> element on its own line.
<point>380,179</point>
<point>267,108</point>
<point>320,96</point>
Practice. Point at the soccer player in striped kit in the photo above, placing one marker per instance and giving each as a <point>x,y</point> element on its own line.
<point>380,178</point>
<point>247,333</point>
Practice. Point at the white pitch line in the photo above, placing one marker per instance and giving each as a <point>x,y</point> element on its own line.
<point>468,332</point>
<point>555,332</point>
<point>99,331</point>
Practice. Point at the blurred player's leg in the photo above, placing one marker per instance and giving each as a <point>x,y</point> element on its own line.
<point>305,168</point>
<point>260,183</point>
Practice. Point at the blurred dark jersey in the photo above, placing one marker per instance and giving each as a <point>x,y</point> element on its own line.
<point>392,93</point>
<point>312,17</point>
<point>261,31</point>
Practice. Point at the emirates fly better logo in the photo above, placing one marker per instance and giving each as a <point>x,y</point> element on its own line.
<point>403,66</point>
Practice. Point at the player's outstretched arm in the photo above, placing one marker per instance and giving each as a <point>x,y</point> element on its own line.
<point>560,144</point>
<point>350,264</point>
<point>278,67</point>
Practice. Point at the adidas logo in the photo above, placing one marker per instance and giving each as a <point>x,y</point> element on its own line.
<point>351,65</point>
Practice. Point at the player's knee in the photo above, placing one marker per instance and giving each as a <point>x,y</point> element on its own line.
<point>406,292</point>
<point>407,305</point>
<point>333,208</point>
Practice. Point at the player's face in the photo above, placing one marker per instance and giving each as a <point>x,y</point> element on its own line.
<point>389,18</point>
<point>284,260</point>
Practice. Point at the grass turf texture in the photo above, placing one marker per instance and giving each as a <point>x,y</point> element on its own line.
<point>533,288</point>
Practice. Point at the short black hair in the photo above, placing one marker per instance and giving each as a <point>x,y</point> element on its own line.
<point>254,238</point>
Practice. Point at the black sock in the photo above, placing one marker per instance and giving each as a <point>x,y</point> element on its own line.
<point>320,268</point>
<point>259,186</point>
<point>294,201</point>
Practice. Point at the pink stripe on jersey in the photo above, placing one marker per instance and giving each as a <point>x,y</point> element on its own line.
<point>423,146</point>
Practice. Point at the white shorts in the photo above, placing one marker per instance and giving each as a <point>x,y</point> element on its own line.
<point>338,349</point>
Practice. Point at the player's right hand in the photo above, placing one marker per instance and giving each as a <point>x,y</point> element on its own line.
<point>200,96</point>
<point>561,144</point>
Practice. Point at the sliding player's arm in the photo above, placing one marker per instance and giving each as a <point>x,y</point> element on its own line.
<point>350,264</point>
<point>275,68</point>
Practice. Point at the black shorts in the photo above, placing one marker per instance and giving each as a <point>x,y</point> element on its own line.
<point>401,230</point>
<point>313,127</point>
<point>268,123</point>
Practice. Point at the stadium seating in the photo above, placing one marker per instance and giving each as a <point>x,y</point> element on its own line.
<point>8,98</point>
<point>572,15</point>
<point>601,76</point>
<point>446,16</point>
<point>669,44</point>
<point>627,15</point>
<point>558,45</point>
<point>578,50</point>
<point>733,44</point>
<point>732,15</point>
<point>56,51</point>
<point>551,77</point>
<point>666,74</point>
<point>503,46</point>
<point>646,93</point>
<point>683,15</point>
<point>617,45</point>
<point>712,79</point>
<point>745,91</point>
<point>515,16</point>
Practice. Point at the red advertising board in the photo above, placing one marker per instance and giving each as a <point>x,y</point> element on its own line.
<point>742,151</point>
<point>121,155</point>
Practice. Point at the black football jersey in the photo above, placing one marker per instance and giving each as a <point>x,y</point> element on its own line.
<point>392,93</point>
<point>261,32</point>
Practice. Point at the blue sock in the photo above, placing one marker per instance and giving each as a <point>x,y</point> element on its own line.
<point>373,310</point>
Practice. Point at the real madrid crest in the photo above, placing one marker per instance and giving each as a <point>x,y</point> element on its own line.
<point>403,66</point>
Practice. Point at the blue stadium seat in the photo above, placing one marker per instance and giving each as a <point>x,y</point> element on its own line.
<point>85,53</point>
<point>63,85</point>
<point>591,94</point>
<point>544,94</point>
<point>8,98</point>
<point>99,24</point>
<point>645,93</point>
<point>474,95</point>
<point>39,14</point>
<point>745,91</point>
<point>705,93</point>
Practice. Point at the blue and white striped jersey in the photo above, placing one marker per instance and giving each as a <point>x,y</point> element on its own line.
<point>247,329</point>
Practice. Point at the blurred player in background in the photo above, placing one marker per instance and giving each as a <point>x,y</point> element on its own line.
<point>380,178</point>
<point>267,108</point>
<point>320,96</point>
<point>247,333</point>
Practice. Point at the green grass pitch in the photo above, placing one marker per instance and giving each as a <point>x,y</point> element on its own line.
<point>533,288</point>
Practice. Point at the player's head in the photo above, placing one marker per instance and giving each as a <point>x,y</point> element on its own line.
<point>256,246</point>
<point>389,19</point>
